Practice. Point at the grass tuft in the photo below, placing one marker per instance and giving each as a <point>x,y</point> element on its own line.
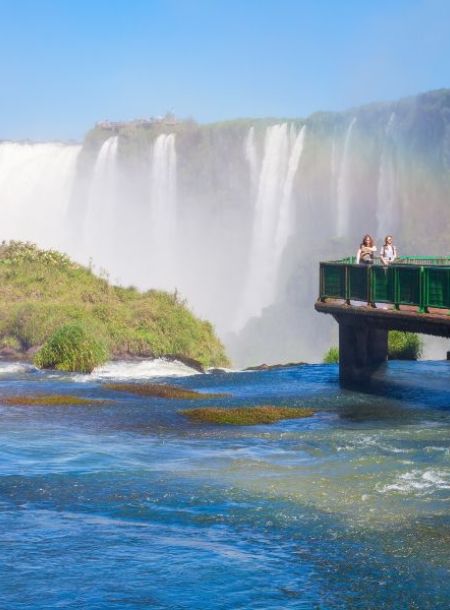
<point>332,355</point>
<point>246,416</point>
<point>160,390</point>
<point>404,346</point>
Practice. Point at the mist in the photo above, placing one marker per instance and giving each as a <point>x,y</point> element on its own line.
<point>236,216</point>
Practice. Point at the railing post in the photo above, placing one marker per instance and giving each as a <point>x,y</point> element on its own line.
<point>321,283</point>
<point>370,291</point>
<point>347,284</point>
<point>423,291</point>
<point>396,288</point>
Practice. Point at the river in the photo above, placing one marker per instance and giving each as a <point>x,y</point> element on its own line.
<point>130,505</point>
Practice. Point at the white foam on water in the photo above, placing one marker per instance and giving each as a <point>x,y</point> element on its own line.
<point>144,369</point>
<point>416,481</point>
<point>7,368</point>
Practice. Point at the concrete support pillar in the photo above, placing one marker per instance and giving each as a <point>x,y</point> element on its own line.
<point>362,349</point>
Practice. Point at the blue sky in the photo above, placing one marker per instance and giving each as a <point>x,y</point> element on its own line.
<point>66,64</point>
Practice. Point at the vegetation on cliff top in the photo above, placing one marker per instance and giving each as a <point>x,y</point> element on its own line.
<point>42,291</point>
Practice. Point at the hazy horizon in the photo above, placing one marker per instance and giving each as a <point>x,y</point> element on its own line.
<point>368,103</point>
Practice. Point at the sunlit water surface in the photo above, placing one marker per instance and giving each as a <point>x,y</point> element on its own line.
<point>129,505</point>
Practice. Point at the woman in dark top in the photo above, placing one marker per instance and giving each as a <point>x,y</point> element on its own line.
<point>364,256</point>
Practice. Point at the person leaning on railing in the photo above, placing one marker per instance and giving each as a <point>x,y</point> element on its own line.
<point>388,252</point>
<point>366,251</point>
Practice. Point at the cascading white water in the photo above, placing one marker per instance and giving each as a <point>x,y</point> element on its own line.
<point>284,226</point>
<point>252,158</point>
<point>35,187</point>
<point>271,218</point>
<point>388,213</point>
<point>119,229</point>
<point>343,186</point>
<point>99,230</point>
<point>333,169</point>
<point>162,230</point>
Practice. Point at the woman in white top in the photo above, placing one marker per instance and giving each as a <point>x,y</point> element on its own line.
<point>388,252</point>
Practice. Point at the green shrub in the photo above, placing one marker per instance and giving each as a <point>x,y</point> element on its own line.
<point>332,356</point>
<point>72,348</point>
<point>404,346</point>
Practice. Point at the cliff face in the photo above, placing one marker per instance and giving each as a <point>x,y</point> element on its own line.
<point>237,215</point>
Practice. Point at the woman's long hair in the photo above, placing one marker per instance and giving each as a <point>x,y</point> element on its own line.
<point>370,238</point>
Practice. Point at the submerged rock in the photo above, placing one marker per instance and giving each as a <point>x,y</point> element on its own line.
<point>269,367</point>
<point>192,363</point>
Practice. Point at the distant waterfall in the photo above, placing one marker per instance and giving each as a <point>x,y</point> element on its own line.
<point>333,168</point>
<point>343,186</point>
<point>35,187</point>
<point>388,213</point>
<point>163,211</point>
<point>99,233</point>
<point>252,157</point>
<point>284,226</point>
<point>272,216</point>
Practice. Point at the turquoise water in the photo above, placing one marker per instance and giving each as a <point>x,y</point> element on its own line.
<point>129,505</point>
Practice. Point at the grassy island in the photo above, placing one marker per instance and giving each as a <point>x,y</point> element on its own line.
<point>64,316</point>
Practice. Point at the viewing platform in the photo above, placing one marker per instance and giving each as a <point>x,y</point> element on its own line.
<point>367,301</point>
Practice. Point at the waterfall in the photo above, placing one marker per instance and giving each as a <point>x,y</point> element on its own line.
<point>101,218</point>
<point>211,209</point>
<point>284,227</point>
<point>343,186</point>
<point>163,212</point>
<point>251,157</point>
<point>35,186</point>
<point>333,168</point>
<point>388,214</point>
<point>271,216</point>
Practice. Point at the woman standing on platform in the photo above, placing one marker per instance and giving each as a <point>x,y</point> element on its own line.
<point>388,252</point>
<point>364,256</point>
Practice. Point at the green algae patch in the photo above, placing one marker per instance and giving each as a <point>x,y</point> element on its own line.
<point>246,416</point>
<point>160,390</point>
<point>49,400</point>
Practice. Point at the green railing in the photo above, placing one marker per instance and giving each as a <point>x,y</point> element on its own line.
<point>418,281</point>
